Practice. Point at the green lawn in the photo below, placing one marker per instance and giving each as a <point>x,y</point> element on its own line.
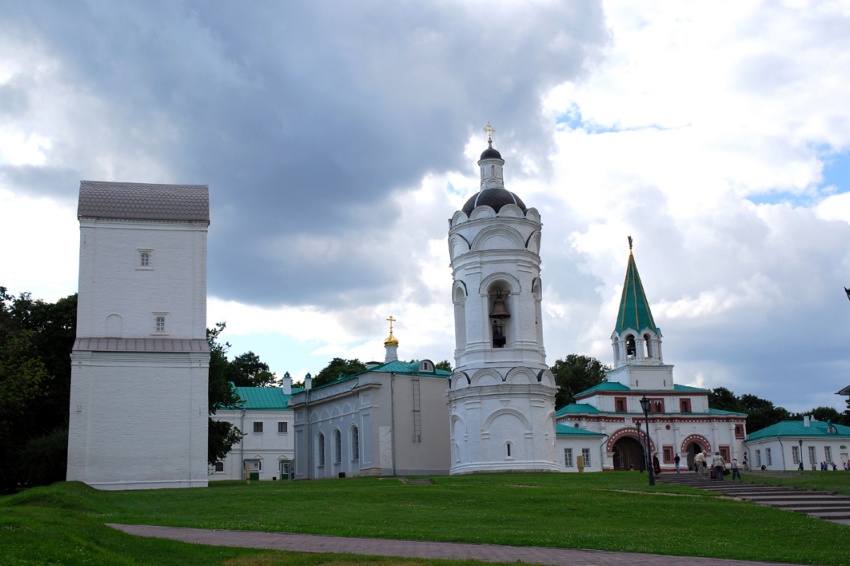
<point>63,523</point>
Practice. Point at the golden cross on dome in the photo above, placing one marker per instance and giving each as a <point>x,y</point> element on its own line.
<point>392,320</point>
<point>489,130</point>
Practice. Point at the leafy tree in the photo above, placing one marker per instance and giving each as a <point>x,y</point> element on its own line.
<point>723,399</point>
<point>445,365</point>
<point>574,374</point>
<point>248,371</point>
<point>221,435</point>
<point>36,339</point>
<point>337,366</point>
<point>826,414</point>
<point>762,413</point>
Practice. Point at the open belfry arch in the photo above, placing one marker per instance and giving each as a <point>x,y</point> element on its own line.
<point>502,393</point>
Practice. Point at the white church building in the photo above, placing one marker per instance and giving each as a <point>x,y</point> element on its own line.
<point>388,420</point>
<point>610,414</point>
<point>502,393</point>
<point>140,362</point>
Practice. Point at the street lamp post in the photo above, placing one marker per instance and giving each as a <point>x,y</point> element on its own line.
<point>640,439</point>
<point>644,404</point>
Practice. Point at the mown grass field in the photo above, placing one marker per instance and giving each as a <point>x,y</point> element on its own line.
<point>64,523</point>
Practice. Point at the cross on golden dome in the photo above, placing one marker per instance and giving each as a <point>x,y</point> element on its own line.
<point>391,340</point>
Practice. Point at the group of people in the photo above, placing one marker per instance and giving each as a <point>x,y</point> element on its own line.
<point>718,466</point>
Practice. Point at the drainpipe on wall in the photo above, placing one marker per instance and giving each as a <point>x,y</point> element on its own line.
<point>242,444</point>
<point>392,417</point>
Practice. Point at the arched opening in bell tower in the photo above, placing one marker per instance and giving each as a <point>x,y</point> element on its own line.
<point>499,312</point>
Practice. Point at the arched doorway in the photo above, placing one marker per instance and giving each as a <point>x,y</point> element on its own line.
<point>693,449</point>
<point>628,454</point>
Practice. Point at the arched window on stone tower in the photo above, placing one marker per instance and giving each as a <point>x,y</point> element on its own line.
<point>631,347</point>
<point>498,299</point>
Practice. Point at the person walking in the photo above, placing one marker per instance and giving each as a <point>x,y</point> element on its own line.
<point>699,464</point>
<point>719,466</point>
<point>676,461</point>
<point>736,473</point>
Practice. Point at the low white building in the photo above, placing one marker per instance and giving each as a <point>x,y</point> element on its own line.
<point>680,421</point>
<point>267,448</point>
<point>391,419</point>
<point>571,442</point>
<point>787,444</point>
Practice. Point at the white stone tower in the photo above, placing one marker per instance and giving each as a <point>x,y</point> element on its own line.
<point>140,363</point>
<point>502,395</point>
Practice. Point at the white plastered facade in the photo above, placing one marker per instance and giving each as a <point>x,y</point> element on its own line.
<point>502,392</point>
<point>140,364</point>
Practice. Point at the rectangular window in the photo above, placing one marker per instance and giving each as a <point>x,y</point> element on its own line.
<point>795,454</point>
<point>355,444</point>
<point>827,454</point>
<point>586,453</point>
<point>281,426</point>
<point>724,453</point>
<point>159,324</point>
<point>145,259</point>
<point>219,467</point>
<point>668,454</point>
<point>813,456</point>
<point>739,431</point>
<point>656,405</point>
<point>758,458</point>
<point>568,457</point>
<point>337,447</point>
<point>767,455</point>
<point>258,426</point>
<point>321,447</point>
<point>684,405</point>
<point>620,404</point>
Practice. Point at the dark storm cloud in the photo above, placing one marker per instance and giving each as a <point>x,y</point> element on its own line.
<point>300,117</point>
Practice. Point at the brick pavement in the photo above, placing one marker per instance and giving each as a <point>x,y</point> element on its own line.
<point>422,549</point>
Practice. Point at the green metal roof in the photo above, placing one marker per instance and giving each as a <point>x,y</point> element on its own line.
<point>576,408</point>
<point>604,386</point>
<point>397,367</point>
<point>798,428</point>
<point>617,386</point>
<point>564,430</point>
<point>634,310</point>
<point>265,398</point>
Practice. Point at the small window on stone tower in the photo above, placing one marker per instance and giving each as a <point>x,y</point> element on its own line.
<point>145,259</point>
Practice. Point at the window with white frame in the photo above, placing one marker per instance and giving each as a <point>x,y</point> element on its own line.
<point>159,324</point>
<point>813,455</point>
<point>337,447</point>
<point>827,454</point>
<point>795,454</point>
<point>320,440</point>
<point>218,467</point>
<point>355,444</point>
<point>758,458</point>
<point>768,456</point>
<point>258,426</point>
<point>281,426</point>
<point>568,457</point>
<point>585,452</point>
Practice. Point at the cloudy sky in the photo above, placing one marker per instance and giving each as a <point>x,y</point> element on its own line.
<point>337,138</point>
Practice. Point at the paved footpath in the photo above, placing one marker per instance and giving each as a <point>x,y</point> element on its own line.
<point>422,549</point>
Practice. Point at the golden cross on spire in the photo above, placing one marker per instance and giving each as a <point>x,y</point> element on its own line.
<point>489,130</point>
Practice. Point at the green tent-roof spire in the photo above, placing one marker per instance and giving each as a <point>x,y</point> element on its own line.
<point>634,310</point>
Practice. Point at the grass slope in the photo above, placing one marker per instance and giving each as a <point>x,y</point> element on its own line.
<point>617,511</point>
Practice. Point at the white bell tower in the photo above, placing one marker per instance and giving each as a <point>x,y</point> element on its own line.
<point>502,394</point>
